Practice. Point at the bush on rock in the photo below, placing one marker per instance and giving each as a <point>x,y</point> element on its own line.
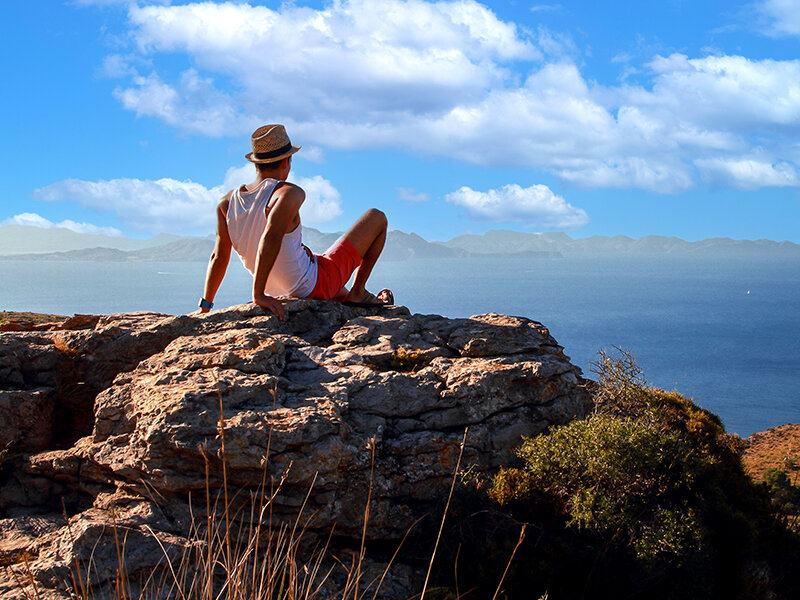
<point>645,498</point>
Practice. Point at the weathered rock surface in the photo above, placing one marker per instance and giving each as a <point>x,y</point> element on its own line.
<point>116,423</point>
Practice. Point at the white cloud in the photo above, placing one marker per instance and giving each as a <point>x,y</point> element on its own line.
<point>323,201</point>
<point>412,196</point>
<point>748,173</point>
<point>551,116</point>
<point>185,207</point>
<point>165,205</point>
<point>313,154</point>
<point>29,220</point>
<point>89,228</point>
<point>555,44</point>
<point>728,93</point>
<point>653,175</point>
<point>194,104</point>
<point>356,60</point>
<point>237,176</point>
<point>536,206</point>
<point>116,66</point>
<point>452,79</point>
<point>783,16</point>
<point>36,220</point>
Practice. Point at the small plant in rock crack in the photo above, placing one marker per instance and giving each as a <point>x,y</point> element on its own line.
<point>408,360</point>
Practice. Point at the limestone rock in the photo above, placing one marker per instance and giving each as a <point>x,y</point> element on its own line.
<point>27,419</point>
<point>132,421</point>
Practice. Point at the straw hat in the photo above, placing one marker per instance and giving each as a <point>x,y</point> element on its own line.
<point>270,144</point>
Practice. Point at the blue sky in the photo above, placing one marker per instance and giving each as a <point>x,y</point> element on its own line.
<point>670,118</point>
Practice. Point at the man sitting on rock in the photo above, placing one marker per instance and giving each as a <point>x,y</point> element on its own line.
<point>261,221</point>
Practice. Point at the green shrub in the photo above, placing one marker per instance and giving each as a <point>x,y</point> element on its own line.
<point>785,496</point>
<point>645,498</point>
<point>511,485</point>
<point>620,476</point>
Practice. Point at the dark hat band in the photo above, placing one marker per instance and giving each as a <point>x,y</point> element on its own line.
<point>272,153</point>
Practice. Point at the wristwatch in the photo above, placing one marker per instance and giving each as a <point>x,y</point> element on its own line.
<point>205,303</point>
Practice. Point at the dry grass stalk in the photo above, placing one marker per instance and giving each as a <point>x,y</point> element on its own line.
<point>508,564</point>
<point>444,516</point>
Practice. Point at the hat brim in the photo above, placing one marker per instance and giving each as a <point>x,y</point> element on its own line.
<point>272,159</point>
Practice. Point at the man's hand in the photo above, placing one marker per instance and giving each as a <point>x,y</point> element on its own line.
<point>199,312</point>
<point>271,304</point>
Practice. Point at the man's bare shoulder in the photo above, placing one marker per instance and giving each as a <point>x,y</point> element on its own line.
<point>225,201</point>
<point>290,191</point>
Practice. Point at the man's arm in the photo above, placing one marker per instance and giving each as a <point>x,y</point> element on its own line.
<point>220,256</point>
<point>281,218</point>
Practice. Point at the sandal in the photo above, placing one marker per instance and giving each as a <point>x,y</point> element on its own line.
<point>384,298</point>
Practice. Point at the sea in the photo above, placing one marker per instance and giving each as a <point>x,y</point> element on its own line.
<point>723,330</point>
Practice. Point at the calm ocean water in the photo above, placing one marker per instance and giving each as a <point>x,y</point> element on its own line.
<point>725,331</point>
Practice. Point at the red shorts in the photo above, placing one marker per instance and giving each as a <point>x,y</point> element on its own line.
<point>334,268</point>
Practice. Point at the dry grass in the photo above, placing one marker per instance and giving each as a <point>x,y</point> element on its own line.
<point>773,456</point>
<point>8,316</point>
<point>778,447</point>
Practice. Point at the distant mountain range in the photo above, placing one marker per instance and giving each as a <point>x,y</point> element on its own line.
<point>503,241</point>
<point>18,242</point>
<point>20,239</point>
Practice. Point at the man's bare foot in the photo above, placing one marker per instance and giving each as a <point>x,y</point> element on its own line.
<point>367,299</point>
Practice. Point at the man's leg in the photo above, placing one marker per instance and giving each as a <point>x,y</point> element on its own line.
<point>368,236</point>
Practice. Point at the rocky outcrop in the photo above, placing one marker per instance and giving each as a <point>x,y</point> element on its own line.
<point>133,421</point>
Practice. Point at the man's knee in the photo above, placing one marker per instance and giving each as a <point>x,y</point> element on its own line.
<point>377,217</point>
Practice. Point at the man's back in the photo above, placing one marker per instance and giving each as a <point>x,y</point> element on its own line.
<point>294,272</point>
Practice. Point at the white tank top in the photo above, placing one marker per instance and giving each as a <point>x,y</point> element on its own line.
<point>294,272</point>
